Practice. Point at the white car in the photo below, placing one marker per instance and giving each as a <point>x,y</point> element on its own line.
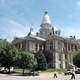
<point>3,69</point>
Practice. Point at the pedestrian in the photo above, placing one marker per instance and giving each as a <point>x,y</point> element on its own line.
<point>55,75</point>
<point>73,75</point>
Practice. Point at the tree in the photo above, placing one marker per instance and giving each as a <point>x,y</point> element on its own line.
<point>76,58</point>
<point>42,64</point>
<point>7,54</point>
<point>26,60</point>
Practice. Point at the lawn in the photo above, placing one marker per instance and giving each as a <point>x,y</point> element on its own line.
<point>18,70</point>
<point>48,70</point>
<point>54,70</point>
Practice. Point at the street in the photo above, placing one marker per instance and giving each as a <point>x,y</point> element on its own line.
<point>42,76</point>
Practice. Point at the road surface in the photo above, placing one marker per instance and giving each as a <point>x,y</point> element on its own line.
<point>42,76</point>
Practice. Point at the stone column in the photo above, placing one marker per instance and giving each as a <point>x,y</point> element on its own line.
<point>63,57</point>
<point>73,47</point>
<point>67,46</point>
<point>30,46</point>
<point>38,47</point>
<point>26,45</point>
<point>57,62</point>
<point>70,47</point>
<point>33,46</point>
<point>63,61</point>
<point>56,44</point>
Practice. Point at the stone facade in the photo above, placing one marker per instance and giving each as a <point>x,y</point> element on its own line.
<point>48,38</point>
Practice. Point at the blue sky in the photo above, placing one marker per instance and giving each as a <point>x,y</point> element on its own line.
<point>17,16</point>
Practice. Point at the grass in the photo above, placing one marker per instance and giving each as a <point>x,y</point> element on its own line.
<point>55,70</point>
<point>18,70</point>
<point>48,70</point>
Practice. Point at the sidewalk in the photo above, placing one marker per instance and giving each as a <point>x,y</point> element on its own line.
<point>50,75</point>
<point>42,76</point>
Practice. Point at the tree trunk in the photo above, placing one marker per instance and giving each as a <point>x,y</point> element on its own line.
<point>23,71</point>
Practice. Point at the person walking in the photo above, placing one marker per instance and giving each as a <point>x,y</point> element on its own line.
<point>73,75</point>
<point>55,75</point>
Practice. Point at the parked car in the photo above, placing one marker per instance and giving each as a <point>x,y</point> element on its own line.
<point>67,72</point>
<point>77,71</point>
<point>6,70</point>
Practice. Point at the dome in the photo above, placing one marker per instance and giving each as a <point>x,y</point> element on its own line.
<point>56,29</point>
<point>46,18</point>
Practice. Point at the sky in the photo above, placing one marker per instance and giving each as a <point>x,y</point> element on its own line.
<point>17,16</point>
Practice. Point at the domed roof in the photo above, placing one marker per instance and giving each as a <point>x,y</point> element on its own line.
<point>56,29</point>
<point>46,18</point>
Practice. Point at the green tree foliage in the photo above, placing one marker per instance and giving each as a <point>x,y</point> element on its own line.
<point>26,60</point>
<point>76,58</point>
<point>7,54</point>
<point>42,63</point>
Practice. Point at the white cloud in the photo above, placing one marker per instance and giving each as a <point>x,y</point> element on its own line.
<point>11,27</point>
<point>78,3</point>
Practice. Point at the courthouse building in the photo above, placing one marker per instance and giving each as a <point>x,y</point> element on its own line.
<point>48,38</point>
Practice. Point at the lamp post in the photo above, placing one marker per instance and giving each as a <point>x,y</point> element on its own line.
<point>33,70</point>
<point>34,66</point>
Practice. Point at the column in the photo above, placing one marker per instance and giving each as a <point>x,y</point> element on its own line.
<point>38,47</point>
<point>67,46</point>
<point>30,46</point>
<point>63,57</point>
<point>56,44</point>
<point>57,62</point>
<point>73,47</point>
<point>26,45</point>
<point>63,61</point>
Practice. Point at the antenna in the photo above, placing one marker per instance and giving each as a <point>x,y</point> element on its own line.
<point>31,29</point>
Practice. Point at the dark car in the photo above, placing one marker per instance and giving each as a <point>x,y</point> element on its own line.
<point>67,72</point>
<point>77,71</point>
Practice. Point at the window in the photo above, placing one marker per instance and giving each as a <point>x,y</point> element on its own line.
<point>68,46</point>
<point>51,45</point>
<point>65,45</point>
